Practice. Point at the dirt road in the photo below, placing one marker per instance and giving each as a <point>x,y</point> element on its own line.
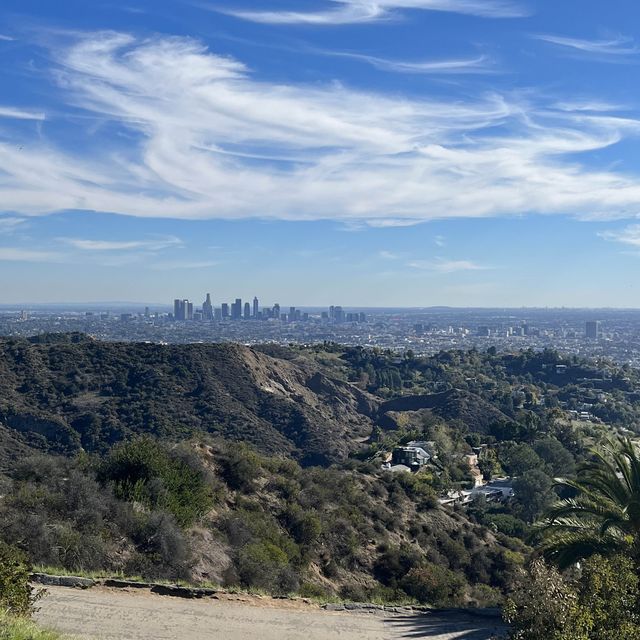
<point>106,614</point>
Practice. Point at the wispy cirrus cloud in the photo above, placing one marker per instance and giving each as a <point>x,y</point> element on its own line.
<point>597,106</point>
<point>630,235</point>
<point>619,46</point>
<point>197,264</point>
<point>157,244</point>
<point>14,254</point>
<point>20,114</point>
<point>442,265</point>
<point>204,138</point>
<point>339,12</point>
<point>10,224</point>
<point>5,38</point>
<point>475,65</point>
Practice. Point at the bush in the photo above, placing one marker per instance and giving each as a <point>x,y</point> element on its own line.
<point>507,524</point>
<point>16,595</point>
<point>263,565</point>
<point>394,563</point>
<point>432,584</point>
<point>240,467</point>
<point>602,604</point>
<point>12,628</point>
<point>163,551</point>
<point>144,471</point>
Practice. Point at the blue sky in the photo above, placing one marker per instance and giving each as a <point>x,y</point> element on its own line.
<point>355,152</point>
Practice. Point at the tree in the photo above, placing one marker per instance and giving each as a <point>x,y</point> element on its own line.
<point>560,461</point>
<point>519,458</point>
<point>16,594</point>
<point>600,604</point>
<point>542,606</point>
<point>533,491</point>
<point>609,595</point>
<point>604,514</point>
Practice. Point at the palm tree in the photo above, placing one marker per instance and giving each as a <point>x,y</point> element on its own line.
<point>604,515</point>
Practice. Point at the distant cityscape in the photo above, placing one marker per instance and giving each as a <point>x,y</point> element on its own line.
<point>183,310</point>
<point>609,333</point>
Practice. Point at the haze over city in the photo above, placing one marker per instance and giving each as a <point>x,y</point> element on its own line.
<point>387,153</point>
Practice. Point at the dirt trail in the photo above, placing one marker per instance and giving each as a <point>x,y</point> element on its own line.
<point>107,614</point>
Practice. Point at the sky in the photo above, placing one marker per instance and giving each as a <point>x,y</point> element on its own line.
<point>314,152</point>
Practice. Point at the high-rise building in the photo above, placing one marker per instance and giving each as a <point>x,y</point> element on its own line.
<point>276,311</point>
<point>256,307</point>
<point>236,309</point>
<point>247,311</point>
<point>225,311</point>
<point>178,310</point>
<point>189,309</point>
<point>593,330</point>
<point>207,308</point>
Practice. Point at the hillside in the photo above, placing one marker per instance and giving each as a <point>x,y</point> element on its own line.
<point>65,393</point>
<point>451,405</point>
<point>209,511</point>
<point>263,467</point>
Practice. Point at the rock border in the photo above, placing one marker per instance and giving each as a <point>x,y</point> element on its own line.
<point>177,591</point>
<point>76,582</point>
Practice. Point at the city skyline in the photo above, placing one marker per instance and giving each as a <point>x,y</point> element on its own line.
<point>396,154</point>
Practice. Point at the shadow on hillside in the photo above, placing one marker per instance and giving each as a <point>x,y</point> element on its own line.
<point>447,625</point>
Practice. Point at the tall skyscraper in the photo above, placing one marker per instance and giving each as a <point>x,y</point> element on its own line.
<point>178,310</point>
<point>247,311</point>
<point>593,330</point>
<point>236,309</point>
<point>256,308</point>
<point>207,308</point>
<point>182,310</point>
<point>225,311</point>
<point>276,311</point>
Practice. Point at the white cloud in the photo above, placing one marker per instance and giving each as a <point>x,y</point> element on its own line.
<point>629,235</point>
<point>439,241</point>
<point>204,138</point>
<point>5,38</point>
<point>441,265</point>
<point>20,114</point>
<point>388,255</point>
<point>588,105</point>
<point>340,12</point>
<point>478,64</point>
<point>127,245</point>
<point>619,46</point>
<point>170,266</point>
<point>12,254</point>
<point>10,224</point>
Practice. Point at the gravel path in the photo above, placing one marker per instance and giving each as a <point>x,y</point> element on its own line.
<point>105,614</point>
